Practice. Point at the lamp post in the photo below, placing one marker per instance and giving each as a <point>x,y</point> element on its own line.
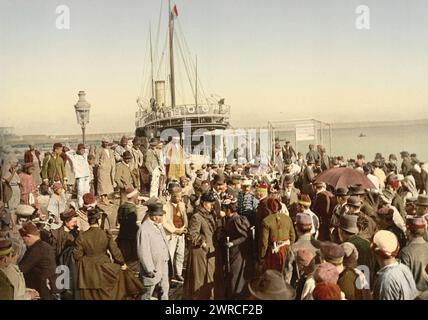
<point>82,108</point>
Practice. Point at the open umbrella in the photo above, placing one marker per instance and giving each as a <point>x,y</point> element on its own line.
<point>344,177</point>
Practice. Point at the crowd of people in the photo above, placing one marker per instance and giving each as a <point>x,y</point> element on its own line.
<point>237,230</point>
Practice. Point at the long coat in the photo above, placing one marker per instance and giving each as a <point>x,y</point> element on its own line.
<point>175,162</point>
<point>199,280</point>
<point>106,171</point>
<point>38,265</point>
<point>127,237</point>
<point>308,176</point>
<point>153,252</point>
<point>322,206</point>
<point>237,228</point>
<point>98,277</point>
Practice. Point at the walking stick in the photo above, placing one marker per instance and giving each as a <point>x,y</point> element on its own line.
<point>227,256</point>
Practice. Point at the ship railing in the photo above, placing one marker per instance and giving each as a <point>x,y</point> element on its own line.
<point>181,111</point>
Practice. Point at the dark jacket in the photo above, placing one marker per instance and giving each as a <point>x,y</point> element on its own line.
<point>38,265</point>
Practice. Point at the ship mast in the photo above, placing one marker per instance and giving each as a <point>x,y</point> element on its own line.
<point>171,54</point>
<point>151,62</point>
<point>196,82</point>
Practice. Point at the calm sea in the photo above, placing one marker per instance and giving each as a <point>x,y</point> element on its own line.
<point>386,140</point>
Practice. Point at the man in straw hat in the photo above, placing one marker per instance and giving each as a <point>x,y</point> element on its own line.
<point>105,168</point>
<point>153,252</point>
<point>415,254</point>
<point>394,280</point>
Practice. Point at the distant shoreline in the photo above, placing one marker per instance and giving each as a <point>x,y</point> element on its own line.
<point>41,138</point>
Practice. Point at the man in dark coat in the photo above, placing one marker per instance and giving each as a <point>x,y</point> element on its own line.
<point>127,219</point>
<point>367,225</point>
<point>238,242</point>
<point>348,232</point>
<point>288,151</point>
<point>199,280</point>
<point>322,206</point>
<point>313,154</point>
<point>308,177</point>
<point>62,240</point>
<point>406,165</point>
<point>38,263</point>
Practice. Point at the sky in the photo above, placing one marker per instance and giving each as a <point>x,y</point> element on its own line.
<point>270,60</point>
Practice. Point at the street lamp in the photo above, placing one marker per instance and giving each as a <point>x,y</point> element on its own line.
<point>82,108</point>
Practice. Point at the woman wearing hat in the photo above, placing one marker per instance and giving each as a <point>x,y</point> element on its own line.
<point>238,241</point>
<point>199,280</point>
<point>98,277</point>
<point>28,185</point>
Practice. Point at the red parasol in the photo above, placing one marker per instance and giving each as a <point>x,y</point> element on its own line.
<point>344,177</point>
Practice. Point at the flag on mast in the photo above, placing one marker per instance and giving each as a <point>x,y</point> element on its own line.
<point>174,10</point>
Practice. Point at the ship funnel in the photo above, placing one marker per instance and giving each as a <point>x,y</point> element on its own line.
<point>160,93</point>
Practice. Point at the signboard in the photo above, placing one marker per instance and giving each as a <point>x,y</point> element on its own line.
<point>305,133</point>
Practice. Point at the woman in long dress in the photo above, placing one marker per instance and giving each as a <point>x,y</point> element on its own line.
<point>29,192</point>
<point>98,277</point>
<point>238,242</point>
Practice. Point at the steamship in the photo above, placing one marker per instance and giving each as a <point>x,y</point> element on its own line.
<point>157,104</point>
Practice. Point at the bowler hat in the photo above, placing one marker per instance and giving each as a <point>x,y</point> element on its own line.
<point>155,209</point>
<point>208,197</point>
<point>80,146</point>
<point>348,223</point>
<point>353,201</point>
<point>271,286</point>
<point>422,200</point>
<point>341,192</point>
<point>356,190</point>
<point>310,161</point>
<point>219,179</point>
<point>57,145</point>
<point>404,154</point>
